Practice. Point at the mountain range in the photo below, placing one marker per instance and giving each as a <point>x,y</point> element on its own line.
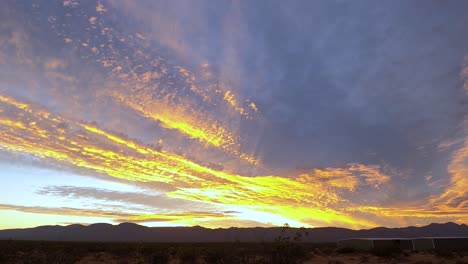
<point>129,232</point>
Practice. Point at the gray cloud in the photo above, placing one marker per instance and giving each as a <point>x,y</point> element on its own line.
<point>151,201</point>
<point>336,81</point>
<point>348,78</point>
<point>116,216</point>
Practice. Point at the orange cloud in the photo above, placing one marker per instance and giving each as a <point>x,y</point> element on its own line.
<point>311,200</point>
<point>100,8</point>
<point>105,153</point>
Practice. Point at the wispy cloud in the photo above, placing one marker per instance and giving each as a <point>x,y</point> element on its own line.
<point>149,201</point>
<point>188,217</point>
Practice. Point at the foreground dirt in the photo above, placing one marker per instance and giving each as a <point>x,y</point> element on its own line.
<point>353,258</point>
<point>361,258</point>
<point>40,252</point>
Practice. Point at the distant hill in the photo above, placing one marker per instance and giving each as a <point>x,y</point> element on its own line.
<point>128,232</point>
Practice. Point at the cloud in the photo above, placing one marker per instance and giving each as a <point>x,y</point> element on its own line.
<point>40,134</point>
<point>348,177</point>
<point>119,217</point>
<point>100,8</point>
<point>455,195</point>
<point>125,74</point>
<point>150,201</point>
<point>63,211</point>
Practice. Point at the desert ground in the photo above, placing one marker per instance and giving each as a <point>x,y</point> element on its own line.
<point>38,252</point>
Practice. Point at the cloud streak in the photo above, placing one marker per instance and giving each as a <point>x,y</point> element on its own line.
<point>186,217</point>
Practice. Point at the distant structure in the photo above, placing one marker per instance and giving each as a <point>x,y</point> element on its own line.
<point>415,244</point>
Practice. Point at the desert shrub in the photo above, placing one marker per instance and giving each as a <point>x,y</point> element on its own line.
<point>219,255</point>
<point>188,254</point>
<point>386,252</point>
<point>460,261</point>
<point>326,249</point>
<point>59,256</point>
<point>364,259</point>
<point>289,249</point>
<point>444,253</point>
<point>35,257</point>
<point>158,257</point>
<point>214,256</point>
<point>335,261</point>
<point>234,253</point>
<point>345,250</point>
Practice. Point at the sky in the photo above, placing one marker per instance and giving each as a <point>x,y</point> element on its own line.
<point>233,113</point>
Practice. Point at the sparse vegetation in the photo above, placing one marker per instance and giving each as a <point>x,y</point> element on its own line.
<point>287,248</point>
<point>364,259</point>
<point>335,261</point>
<point>444,253</point>
<point>390,252</point>
<point>345,250</point>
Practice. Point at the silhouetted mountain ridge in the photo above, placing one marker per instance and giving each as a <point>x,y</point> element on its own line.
<point>130,232</point>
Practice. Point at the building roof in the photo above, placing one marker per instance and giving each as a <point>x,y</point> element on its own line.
<point>376,238</point>
<point>399,238</point>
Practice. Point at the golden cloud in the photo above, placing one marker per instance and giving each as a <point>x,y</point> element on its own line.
<point>39,133</point>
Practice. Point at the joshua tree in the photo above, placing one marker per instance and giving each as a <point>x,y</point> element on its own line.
<point>289,248</point>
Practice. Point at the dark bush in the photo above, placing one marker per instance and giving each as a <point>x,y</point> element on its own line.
<point>159,257</point>
<point>364,259</point>
<point>345,250</point>
<point>337,261</point>
<point>444,253</point>
<point>386,252</point>
<point>289,249</point>
<point>215,255</point>
<point>188,254</point>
